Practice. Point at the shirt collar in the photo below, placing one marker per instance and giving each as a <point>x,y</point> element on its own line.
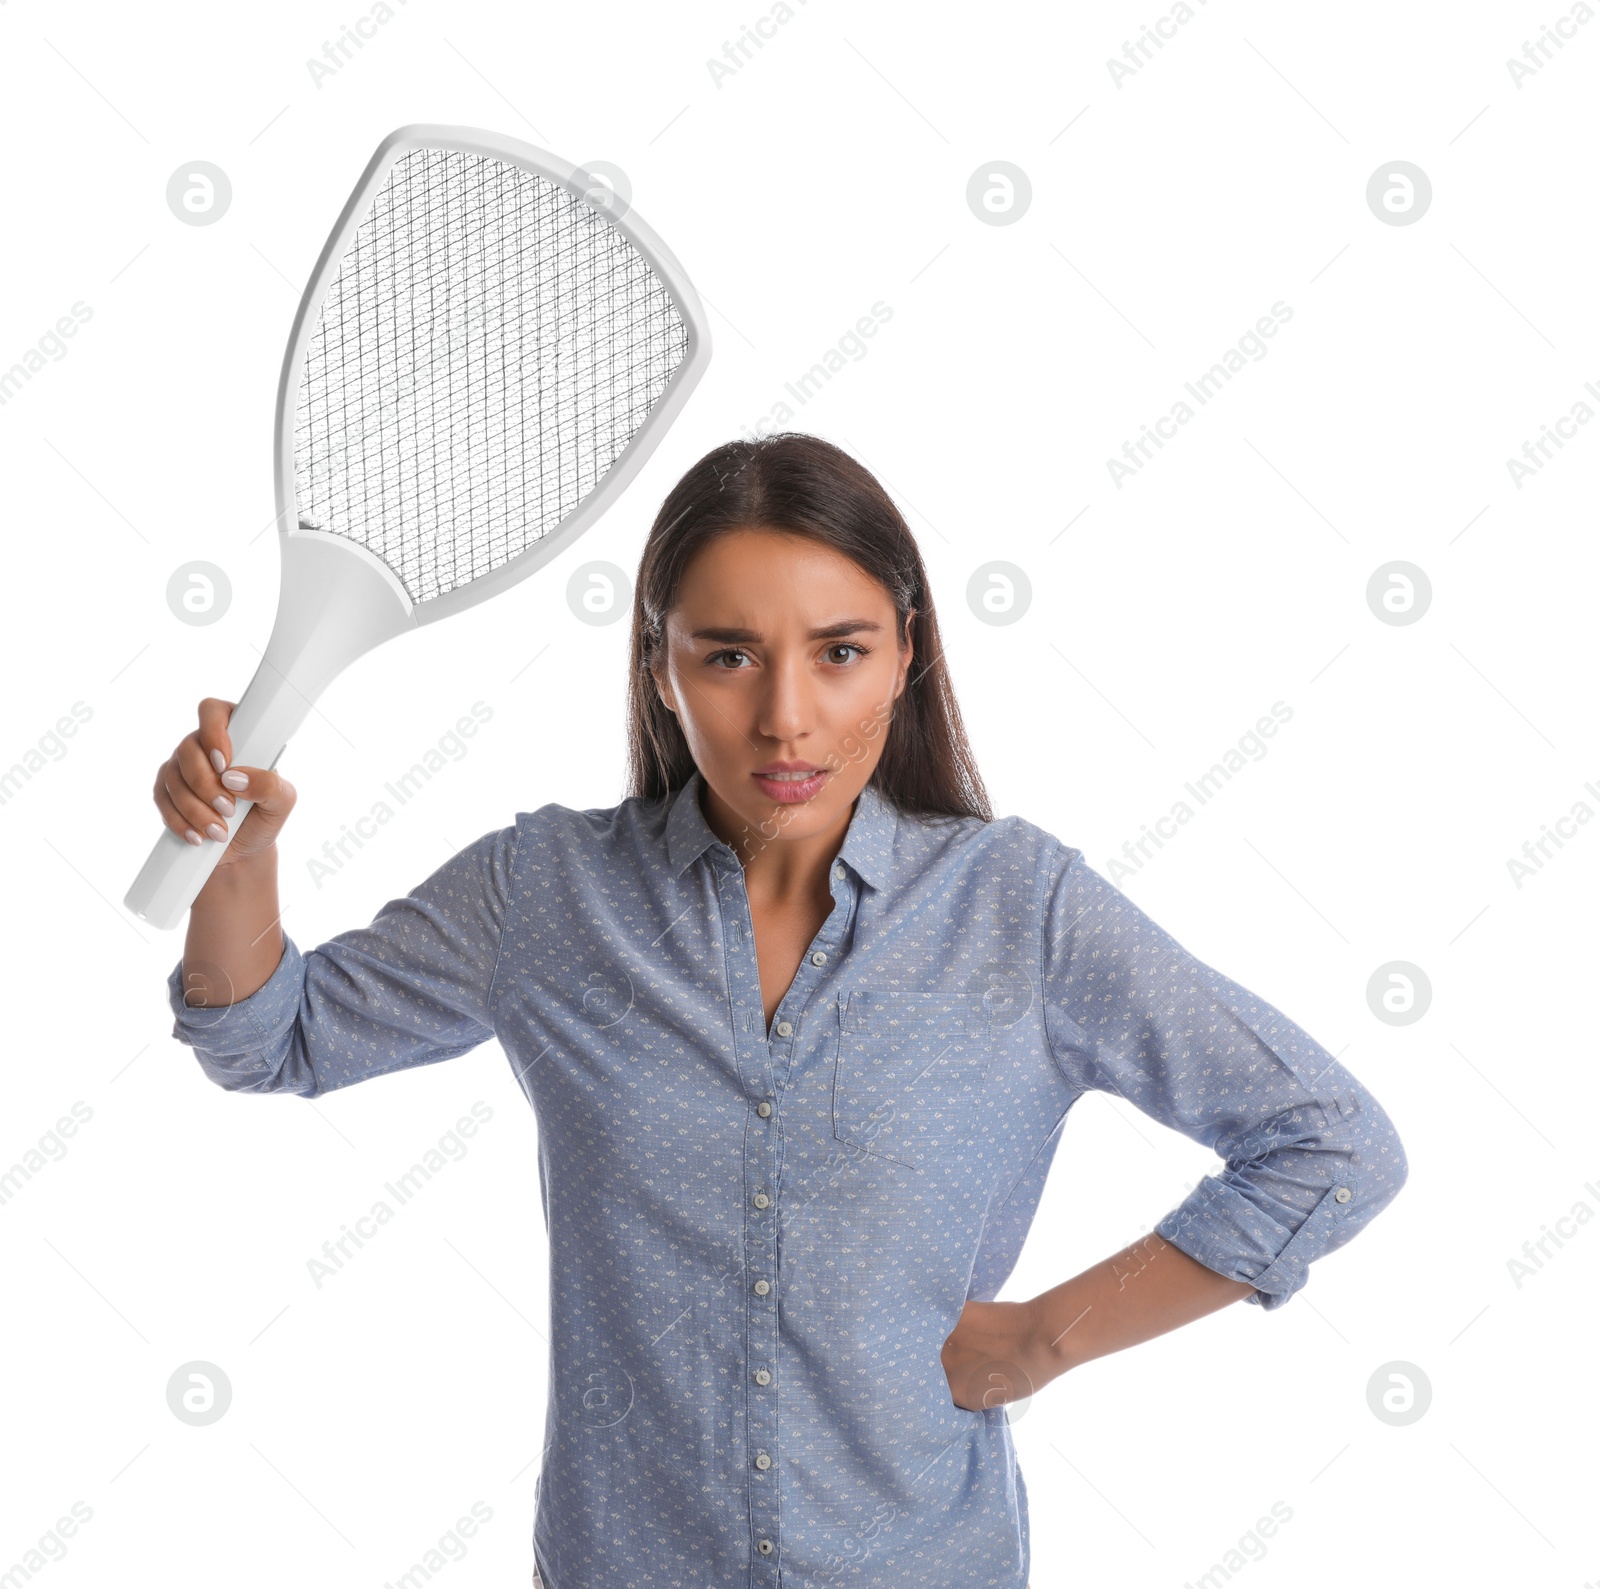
<point>868,843</point>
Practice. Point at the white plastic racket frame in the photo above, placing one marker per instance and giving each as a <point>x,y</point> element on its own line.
<point>336,600</point>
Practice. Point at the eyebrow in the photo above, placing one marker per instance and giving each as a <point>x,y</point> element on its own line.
<point>832,631</point>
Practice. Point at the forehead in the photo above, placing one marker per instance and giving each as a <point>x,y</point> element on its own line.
<point>749,572</point>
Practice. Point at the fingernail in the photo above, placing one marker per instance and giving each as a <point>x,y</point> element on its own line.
<point>192,836</point>
<point>217,832</point>
<point>218,762</point>
<point>223,804</point>
<point>234,780</point>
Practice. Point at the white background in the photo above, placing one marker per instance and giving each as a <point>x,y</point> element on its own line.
<point>1168,614</point>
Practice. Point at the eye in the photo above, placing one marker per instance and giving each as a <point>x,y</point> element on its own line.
<point>847,645</point>
<point>732,651</point>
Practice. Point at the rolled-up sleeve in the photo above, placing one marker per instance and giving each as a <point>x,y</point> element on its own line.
<point>412,988</point>
<point>1309,1156</point>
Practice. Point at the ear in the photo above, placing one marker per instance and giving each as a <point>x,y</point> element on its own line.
<point>907,652</point>
<point>664,691</point>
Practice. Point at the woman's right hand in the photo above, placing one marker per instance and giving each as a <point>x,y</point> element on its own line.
<point>196,787</point>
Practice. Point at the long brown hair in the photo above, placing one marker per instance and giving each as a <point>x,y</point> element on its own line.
<point>802,485</point>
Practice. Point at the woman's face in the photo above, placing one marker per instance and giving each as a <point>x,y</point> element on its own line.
<point>782,668</point>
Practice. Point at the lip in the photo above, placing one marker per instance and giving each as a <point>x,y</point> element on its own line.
<point>790,791</point>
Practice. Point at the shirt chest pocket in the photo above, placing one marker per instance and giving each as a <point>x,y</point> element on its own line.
<point>910,1079</point>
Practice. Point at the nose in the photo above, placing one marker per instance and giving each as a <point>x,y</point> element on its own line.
<point>786,708</point>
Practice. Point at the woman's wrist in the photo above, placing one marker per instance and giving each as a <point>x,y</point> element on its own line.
<point>1052,1317</point>
<point>247,870</point>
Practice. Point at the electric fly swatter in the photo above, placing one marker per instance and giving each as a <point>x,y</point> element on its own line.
<point>490,346</point>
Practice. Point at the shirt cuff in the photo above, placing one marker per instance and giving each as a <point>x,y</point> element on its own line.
<point>1219,1226</point>
<point>237,1044</point>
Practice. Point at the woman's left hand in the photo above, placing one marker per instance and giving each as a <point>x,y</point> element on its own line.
<point>997,1354</point>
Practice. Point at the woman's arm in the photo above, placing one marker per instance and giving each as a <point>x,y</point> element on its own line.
<point>1000,1352</point>
<point>414,987</point>
<point>1142,1291</point>
<point>1308,1155</point>
<point>234,942</point>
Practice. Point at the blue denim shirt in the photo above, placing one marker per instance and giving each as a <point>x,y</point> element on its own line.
<point>759,1240</point>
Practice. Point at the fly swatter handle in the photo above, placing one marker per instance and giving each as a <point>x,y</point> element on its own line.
<point>267,714</point>
<point>336,602</point>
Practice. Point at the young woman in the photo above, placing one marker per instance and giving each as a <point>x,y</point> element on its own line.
<point>801,1022</point>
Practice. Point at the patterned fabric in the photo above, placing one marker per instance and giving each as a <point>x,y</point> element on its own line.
<point>759,1240</point>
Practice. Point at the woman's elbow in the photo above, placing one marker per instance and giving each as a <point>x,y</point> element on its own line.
<point>1382,1155</point>
<point>261,1072</point>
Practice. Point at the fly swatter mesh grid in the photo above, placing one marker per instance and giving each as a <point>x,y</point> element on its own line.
<point>489,346</point>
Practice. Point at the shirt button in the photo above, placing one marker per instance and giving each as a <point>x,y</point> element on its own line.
<point>1342,1195</point>
<point>819,959</point>
<point>763,1108</point>
<point>763,1377</point>
<point>764,1546</point>
<point>784,1028</point>
<point>762,1288</point>
<point>762,1199</point>
<point>763,1461</point>
<point>838,872</point>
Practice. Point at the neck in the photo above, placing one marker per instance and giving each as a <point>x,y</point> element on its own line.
<point>777,866</point>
